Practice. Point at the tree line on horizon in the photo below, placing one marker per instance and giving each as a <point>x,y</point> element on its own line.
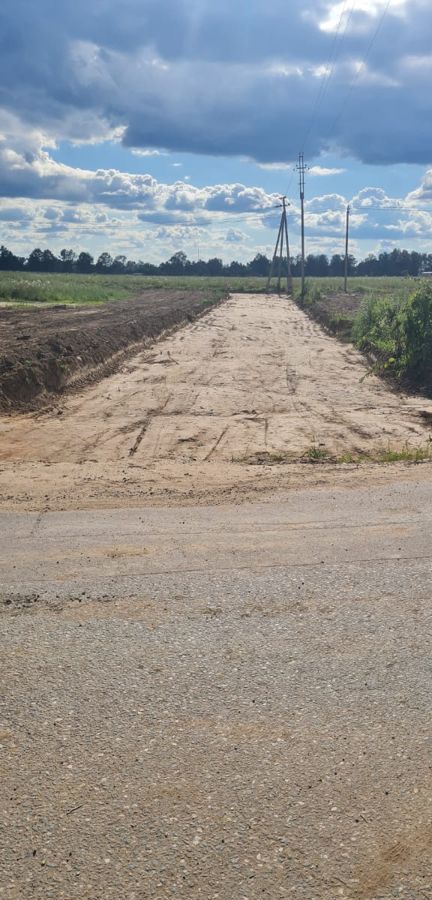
<point>388,263</point>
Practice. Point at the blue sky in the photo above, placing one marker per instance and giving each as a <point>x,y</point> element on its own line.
<point>154,126</point>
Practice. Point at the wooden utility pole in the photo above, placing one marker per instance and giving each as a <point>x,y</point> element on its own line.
<point>278,256</point>
<point>301,168</point>
<point>289,273</point>
<point>347,248</point>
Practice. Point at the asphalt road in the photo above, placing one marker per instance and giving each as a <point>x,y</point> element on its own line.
<point>227,702</point>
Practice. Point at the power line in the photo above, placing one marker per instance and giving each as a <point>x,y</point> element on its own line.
<point>330,66</point>
<point>325,82</point>
<point>385,208</point>
<point>268,212</point>
<point>361,67</point>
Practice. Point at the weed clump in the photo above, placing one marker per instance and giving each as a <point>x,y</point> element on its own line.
<point>315,453</point>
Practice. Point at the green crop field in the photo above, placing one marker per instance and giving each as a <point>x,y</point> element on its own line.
<point>24,288</point>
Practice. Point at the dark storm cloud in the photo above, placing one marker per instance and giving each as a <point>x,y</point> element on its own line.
<point>222,79</point>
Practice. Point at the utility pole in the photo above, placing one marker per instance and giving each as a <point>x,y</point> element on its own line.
<point>289,273</point>
<point>301,168</point>
<point>347,248</point>
<point>278,256</point>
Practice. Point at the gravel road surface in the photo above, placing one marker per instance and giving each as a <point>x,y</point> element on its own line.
<point>219,702</point>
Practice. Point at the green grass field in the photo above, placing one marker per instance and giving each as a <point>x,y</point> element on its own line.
<point>396,287</point>
<point>22,288</point>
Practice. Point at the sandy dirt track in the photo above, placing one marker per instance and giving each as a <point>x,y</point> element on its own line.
<point>190,418</point>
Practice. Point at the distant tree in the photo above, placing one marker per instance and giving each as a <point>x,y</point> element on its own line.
<point>147,268</point>
<point>215,266</point>
<point>8,260</point>
<point>323,266</point>
<point>104,263</point>
<point>35,260</point>
<point>68,258</point>
<point>49,261</point>
<point>352,265</point>
<point>119,265</point>
<point>337,265</point>
<point>317,266</point>
<point>394,263</point>
<point>259,265</point>
<point>84,263</point>
<point>237,269</point>
<point>296,266</point>
<point>415,263</point>
<point>198,267</point>
<point>368,266</point>
<point>175,265</point>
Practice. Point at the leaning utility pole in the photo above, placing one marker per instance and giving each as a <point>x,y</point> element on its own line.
<point>347,248</point>
<point>289,274</point>
<point>301,168</point>
<point>278,256</point>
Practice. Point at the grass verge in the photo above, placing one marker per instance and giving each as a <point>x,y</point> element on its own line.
<point>320,454</point>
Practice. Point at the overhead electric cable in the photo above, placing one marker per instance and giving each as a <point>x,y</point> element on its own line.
<point>361,67</point>
<point>330,66</point>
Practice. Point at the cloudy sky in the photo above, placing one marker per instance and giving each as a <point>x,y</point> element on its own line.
<point>153,126</point>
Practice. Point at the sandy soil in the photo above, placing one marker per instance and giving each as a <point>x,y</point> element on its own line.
<point>204,415</point>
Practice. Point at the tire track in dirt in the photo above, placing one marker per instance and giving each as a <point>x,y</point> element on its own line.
<point>216,444</point>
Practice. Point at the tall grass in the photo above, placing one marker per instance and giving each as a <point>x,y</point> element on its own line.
<point>399,332</point>
<point>377,326</point>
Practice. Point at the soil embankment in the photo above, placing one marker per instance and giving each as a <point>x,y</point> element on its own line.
<point>43,352</point>
<point>335,311</point>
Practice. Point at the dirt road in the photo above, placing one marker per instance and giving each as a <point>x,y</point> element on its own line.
<point>254,381</point>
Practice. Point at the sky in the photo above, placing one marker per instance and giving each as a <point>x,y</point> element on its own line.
<point>153,126</point>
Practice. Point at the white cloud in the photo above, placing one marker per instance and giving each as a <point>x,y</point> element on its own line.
<point>276,166</point>
<point>343,17</point>
<point>234,236</point>
<point>323,172</point>
<point>422,194</point>
<point>146,151</point>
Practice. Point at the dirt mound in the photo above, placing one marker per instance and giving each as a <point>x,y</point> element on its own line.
<point>336,311</point>
<point>45,351</point>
